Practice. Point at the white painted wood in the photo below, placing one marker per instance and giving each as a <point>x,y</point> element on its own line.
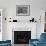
<point>1,25</point>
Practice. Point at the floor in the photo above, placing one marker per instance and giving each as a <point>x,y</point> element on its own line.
<point>20,45</point>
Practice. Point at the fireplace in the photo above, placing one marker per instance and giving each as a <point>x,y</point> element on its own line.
<point>22,37</point>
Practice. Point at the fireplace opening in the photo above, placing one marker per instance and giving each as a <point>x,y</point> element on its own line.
<point>22,37</point>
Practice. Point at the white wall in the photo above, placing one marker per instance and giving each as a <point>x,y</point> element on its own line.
<point>1,25</point>
<point>34,3</point>
<point>40,26</point>
<point>10,11</point>
<point>8,26</point>
<point>4,24</point>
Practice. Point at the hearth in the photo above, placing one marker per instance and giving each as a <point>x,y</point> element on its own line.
<point>22,37</point>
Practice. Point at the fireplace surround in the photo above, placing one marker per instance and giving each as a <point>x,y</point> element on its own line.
<point>21,35</point>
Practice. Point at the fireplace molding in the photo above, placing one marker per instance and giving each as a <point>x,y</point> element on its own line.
<point>18,29</point>
<point>27,27</point>
<point>21,29</point>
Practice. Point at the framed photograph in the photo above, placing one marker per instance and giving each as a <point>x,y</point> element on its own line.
<point>22,10</point>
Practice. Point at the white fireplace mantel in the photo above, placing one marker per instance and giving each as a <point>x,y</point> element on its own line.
<point>21,29</point>
<point>23,26</point>
<point>26,27</point>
